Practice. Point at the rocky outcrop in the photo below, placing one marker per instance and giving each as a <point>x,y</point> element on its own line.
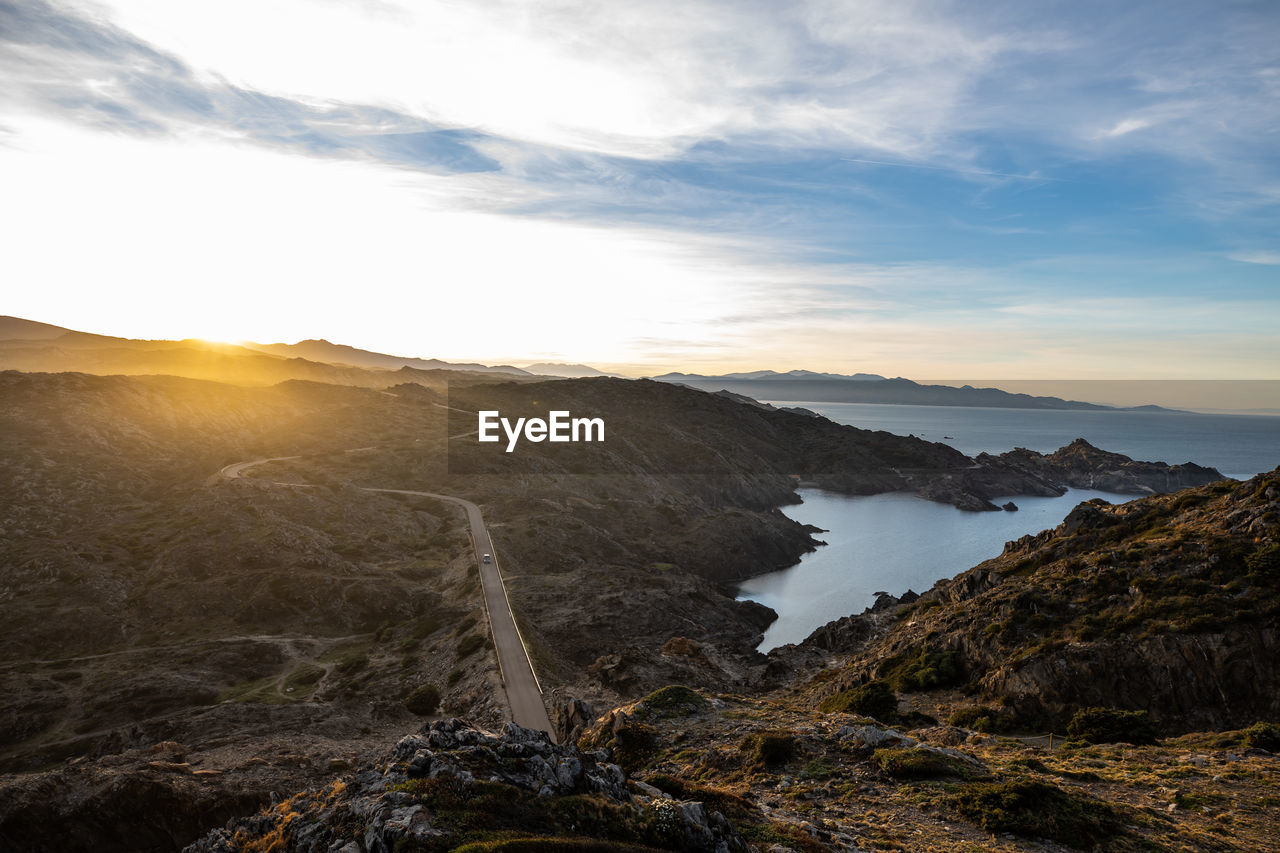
<point>1197,682</point>
<point>1167,604</point>
<point>1080,465</point>
<point>451,781</point>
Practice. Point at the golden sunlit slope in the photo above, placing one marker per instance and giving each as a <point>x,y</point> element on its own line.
<point>41,348</point>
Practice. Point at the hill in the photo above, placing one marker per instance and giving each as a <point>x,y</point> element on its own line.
<point>802,386</point>
<point>323,351</point>
<point>39,347</point>
<point>568,371</point>
<point>184,644</point>
<point>1166,605</point>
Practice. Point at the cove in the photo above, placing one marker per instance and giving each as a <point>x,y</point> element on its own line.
<point>890,543</point>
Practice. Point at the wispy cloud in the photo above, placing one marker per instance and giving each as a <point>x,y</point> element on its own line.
<point>1257,257</point>
<point>831,181</point>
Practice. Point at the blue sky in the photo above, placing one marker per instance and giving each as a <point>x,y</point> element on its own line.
<point>1048,190</point>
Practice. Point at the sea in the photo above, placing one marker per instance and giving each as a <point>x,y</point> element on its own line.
<point>895,542</point>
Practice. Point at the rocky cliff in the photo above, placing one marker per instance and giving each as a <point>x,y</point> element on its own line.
<point>1166,604</point>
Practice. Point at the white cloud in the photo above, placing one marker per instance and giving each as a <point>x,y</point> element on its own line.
<point>1257,257</point>
<point>1128,125</point>
<point>637,79</point>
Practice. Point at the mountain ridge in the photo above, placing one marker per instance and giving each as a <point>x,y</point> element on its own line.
<point>900,391</point>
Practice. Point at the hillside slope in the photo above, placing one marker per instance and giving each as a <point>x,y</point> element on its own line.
<point>1168,604</point>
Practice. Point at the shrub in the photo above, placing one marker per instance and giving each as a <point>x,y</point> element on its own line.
<point>674,700</point>
<point>454,677</point>
<point>1262,736</point>
<point>351,664</point>
<point>875,699</point>
<point>1265,561</point>
<point>768,749</point>
<point>633,745</point>
<point>1108,725</point>
<point>469,644</point>
<point>981,719</point>
<point>1035,809</point>
<point>423,701</point>
<point>425,627</point>
<point>910,763</point>
<point>925,671</point>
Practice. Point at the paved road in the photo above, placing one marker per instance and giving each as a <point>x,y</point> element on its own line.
<point>524,693</point>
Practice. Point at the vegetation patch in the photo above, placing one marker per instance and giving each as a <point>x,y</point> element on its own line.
<point>1264,562</point>
<point>423,701</point>
<point>927,670</point>
<point>674,700</point>
<point>1108,725</point>
<point>1035,809</point>
<point>302,677</point>
<point>874,699</point>
<point>911,763</point>
<point>1261,736</point>
<point>746,817</point>
<point>552,845</point>
<point>768,749</point>
<point>469,645</point>
<point>984,719</point>
<point>633,744</point>
<point>491,816</point>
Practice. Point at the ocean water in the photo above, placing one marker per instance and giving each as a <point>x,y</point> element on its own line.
<point>896,542</point>
<point>1237,445</point>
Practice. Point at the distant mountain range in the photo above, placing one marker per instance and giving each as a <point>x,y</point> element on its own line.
<point>31,346</point>
<point>322,350</point>
<point>807,386</point>
<point>772,374</point>
<point>40,347</point>
<point>566,371</point>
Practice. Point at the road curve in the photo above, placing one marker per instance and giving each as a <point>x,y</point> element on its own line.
<point>524,693</point>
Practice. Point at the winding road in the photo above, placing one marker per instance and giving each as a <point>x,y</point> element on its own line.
<point>524,693</point>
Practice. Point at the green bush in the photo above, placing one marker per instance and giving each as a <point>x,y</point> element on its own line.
<point>1108,725</point>
<point>469,644</point>
<point>423,701</point>
<point>674,700</point>
<point>1262,736</point>
<point>981,719</point>
<point>352,663</point>
<point>768,749</point>
<point>1265,561</point>
<point>454,677</point>
<point>875,699</point>
<point>633,745</point>
<point>926,670</point>
<point>1035,809</point>
<point>910,763</point>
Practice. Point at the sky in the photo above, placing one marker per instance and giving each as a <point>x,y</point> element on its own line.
<point>1083,190</point>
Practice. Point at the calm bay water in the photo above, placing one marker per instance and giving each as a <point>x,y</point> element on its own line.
<point>876,543</point>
